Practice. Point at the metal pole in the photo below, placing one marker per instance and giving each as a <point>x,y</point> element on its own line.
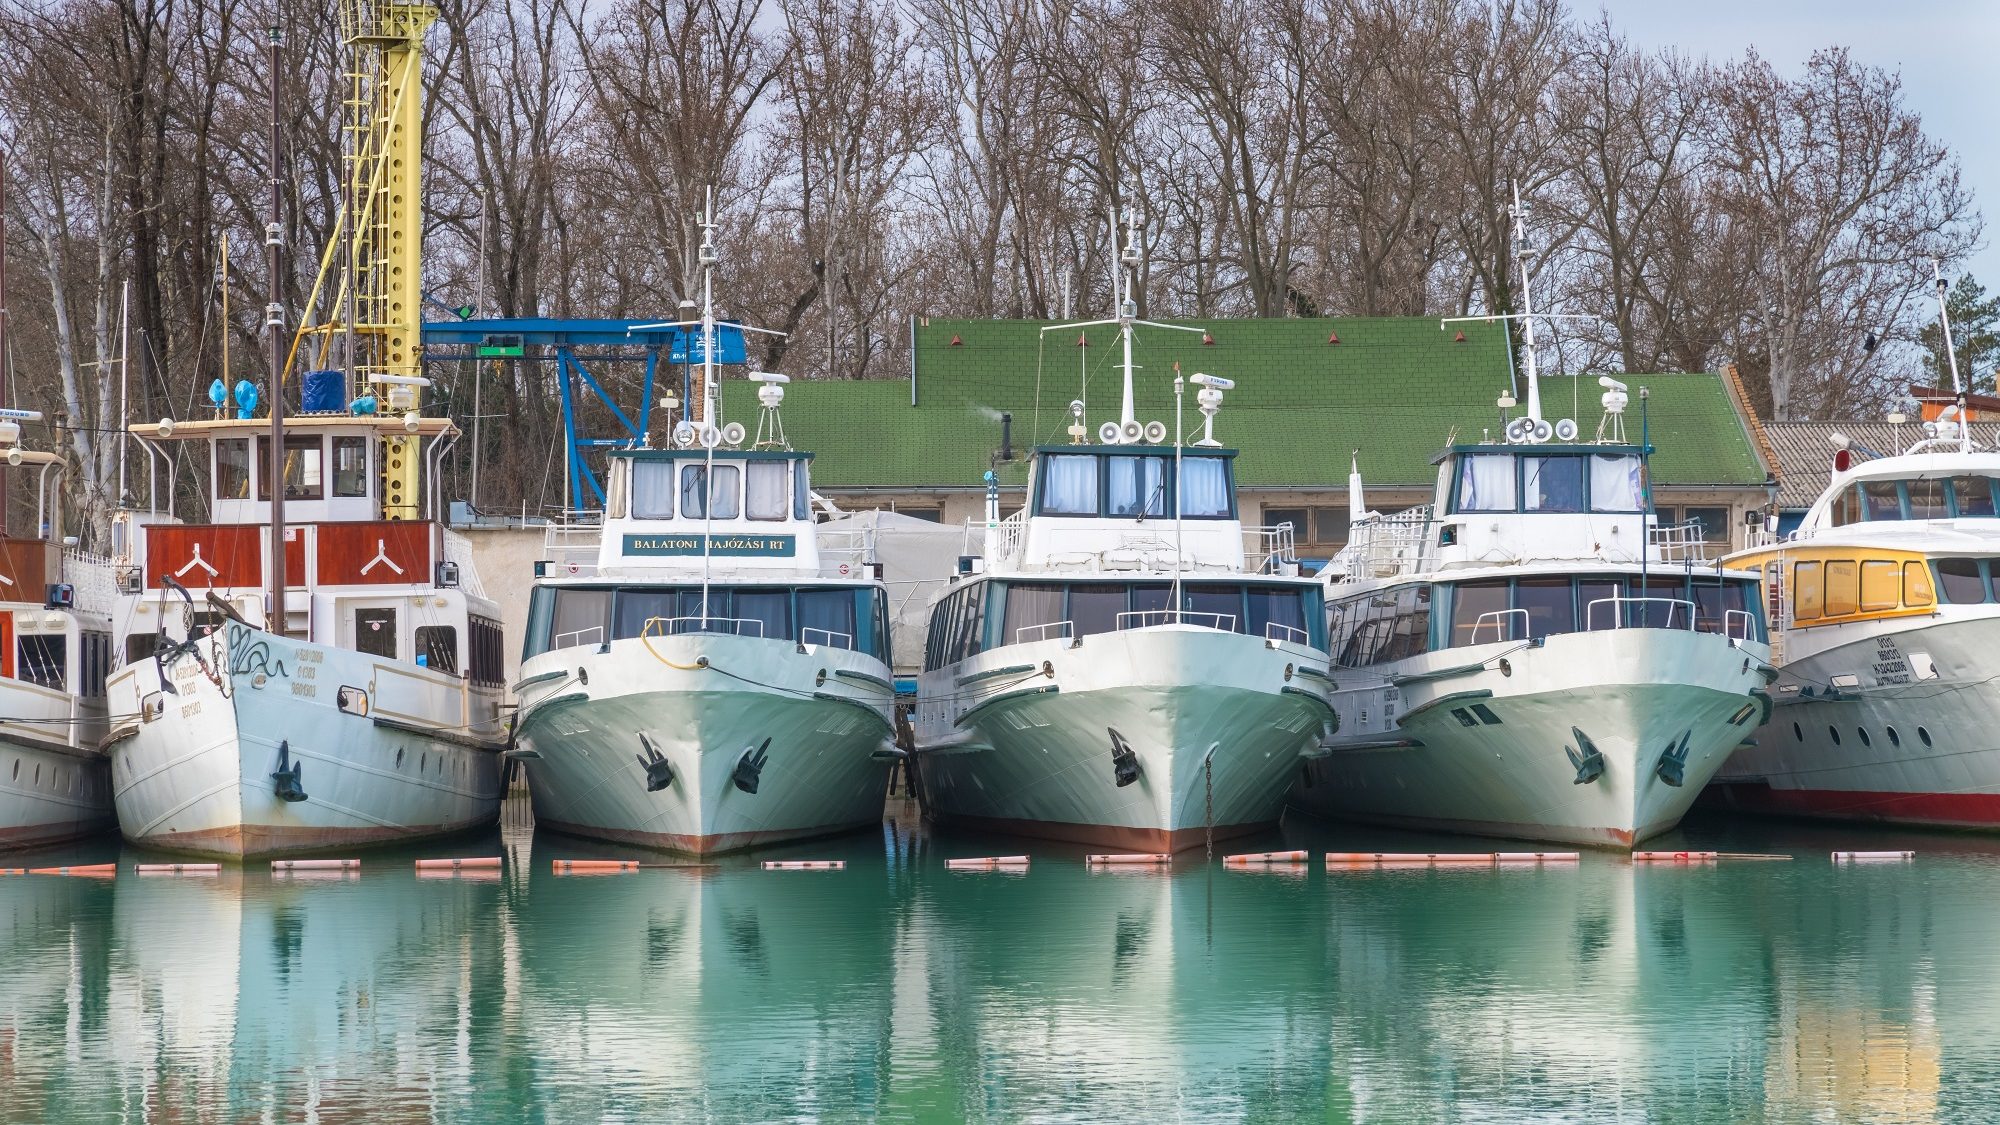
<point>274,258</point>
<point>6,371</point>
<point>124,380</point>
<point>479,310</point>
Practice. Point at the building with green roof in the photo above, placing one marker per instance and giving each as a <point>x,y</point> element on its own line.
<point>1392,391</point>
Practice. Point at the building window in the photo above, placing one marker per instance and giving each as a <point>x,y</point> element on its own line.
<point>930,515</point>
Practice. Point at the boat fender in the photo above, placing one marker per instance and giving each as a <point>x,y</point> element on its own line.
<point>750,767</point>
<point>1124,762</point>
<point>659,771</point>
<point>1585,757</point>
<point>1673,764</point>
<point>289,784</point>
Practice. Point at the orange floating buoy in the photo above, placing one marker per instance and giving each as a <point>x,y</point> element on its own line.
<point>1248,858</point>
<point>805,865</point>
<point>986,863</point>
<point>1850,856</point>
<point>179,869</point>
<point>1444,859</point>
<point>1673,857</point>
<point>13,871</point>
<point>474,863</point>
<point>468,875</point>
<point>88,871</point>
<point>315,865</point>
<point>1136,858</point>
<point>592,866</point>
<point>1537,857</point>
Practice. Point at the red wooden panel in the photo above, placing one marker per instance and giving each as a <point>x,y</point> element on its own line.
<point>7,645</point>
<point>199,556</point>
<point>378,553</point>
<point>26,565</point>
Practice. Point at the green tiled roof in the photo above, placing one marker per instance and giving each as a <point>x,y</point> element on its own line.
<point>1394,388</point>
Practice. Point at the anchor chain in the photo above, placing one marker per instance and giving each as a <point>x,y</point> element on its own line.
<point>1208,817</point>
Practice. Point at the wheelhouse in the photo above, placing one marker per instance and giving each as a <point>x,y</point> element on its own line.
<point>1134,482</point>
<point>1546,479</point>
<point>848,616</point>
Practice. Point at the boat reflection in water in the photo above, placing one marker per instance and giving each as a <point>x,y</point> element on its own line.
<point>893,989</point>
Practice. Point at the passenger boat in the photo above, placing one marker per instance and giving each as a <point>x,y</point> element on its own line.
<point>700,673</point>
<point>1123,663</point>
<point>316,666</point>
<point>55,650</point>
<point>1887,624</point>
<point>1529,656</point>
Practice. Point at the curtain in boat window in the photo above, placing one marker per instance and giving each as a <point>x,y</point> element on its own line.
<point>764,493</point>
<point>725,492</point>
<point>826,617</point>
<point>1138,486</point>
<point>1035,610</point>
<point>1616,484</point>
<point>1552,484</point>
<point>801,491</point>
<point>636,607</point>
<point>765,613</point>
<point>1204,487</point>
<point>1486,482</point>
<point>694,490</point>
<point>1069,484</point>
<point>652,490</point>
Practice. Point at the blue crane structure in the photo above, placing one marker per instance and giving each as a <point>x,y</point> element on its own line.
<point>553,340</point>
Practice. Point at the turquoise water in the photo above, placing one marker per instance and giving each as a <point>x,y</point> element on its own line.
<point>1780,991</point>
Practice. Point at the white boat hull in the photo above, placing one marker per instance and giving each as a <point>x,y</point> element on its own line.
<point>1216,723</point>
<point>816,723</point>
<point>1832,756</point>
<point>55,784</point>
<point>196,772</point>
<point>1635,693</point>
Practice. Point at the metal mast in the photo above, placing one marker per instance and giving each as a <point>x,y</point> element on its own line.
<point>274,337</point>
<point>384,268</point>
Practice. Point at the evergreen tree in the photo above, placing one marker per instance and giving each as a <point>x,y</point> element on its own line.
<point>1975,334</point>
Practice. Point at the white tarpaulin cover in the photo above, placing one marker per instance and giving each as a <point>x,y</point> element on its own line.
<point>917,558</point>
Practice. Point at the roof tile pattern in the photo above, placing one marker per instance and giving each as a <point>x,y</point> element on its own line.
<point>1396,389</point>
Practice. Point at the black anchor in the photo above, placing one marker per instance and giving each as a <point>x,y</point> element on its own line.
<point>1124,762</point>
<point>1585,757</point>
<point>659,771</point>
<point>751,766</point>
<point>289,785</point>
<point>1673,764</point>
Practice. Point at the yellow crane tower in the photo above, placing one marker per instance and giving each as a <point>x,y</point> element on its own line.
<point>376,315</point>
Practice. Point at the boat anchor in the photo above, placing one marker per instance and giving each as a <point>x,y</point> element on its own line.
<point>750,767</point>
<point>1673,764</point>
<point>659,771</point>
<point>1124,762</point>
<point>288,783</point>
<point>1589,763</point>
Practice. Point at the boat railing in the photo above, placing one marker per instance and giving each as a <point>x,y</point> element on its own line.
<point>1147,618</point>
<point>575,638</point>
<point>94,579</point>
<point>829,638</point>
<point>1275,631</point>
<point>1732,617</point>
<point>1001,541</point>
<point>1384,546</point>
<point>1269,549</point>
<point>1042,632</point>
<point>1680,542</point>
<point>1502,621</point>
<point>573,540</point>
<point>1621,619</point>
<point>853,545</point>
<point>675,626</point>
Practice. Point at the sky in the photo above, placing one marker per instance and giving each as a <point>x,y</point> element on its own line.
<point>1943,49</point>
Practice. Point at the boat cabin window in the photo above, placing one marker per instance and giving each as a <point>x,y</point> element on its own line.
<point>437,648</point>
<point>652,490</point>
<point>350,465</point>
<point>723,491</point>
<point>801,491</point>
<point>232,469</point>
<point>842,617</point>
<point>765,486</point>
<point>1964,581</point>
<point>489,651</point>
<point>1830,589</point>
<point>1565,481</point>
<point>1023,612</point>
<point>1407,621</point>
<point>304,479</point>
<point>1967,497</point>
<point>375,632</point>
<point>43,658</point>
<point>1135,486</point>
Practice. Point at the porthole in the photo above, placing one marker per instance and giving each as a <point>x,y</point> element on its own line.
<point>1894,738</point>
<point>399,757</point>
<point>1924,734</point>
<point>1798,734</point>
<point>1833,733</point>
<point>1863,732</point>
<point>17,769</point>
<point>422,761</point>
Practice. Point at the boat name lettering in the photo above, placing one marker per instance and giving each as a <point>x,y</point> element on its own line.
<point>1890,667</point>
<point>738,546</point>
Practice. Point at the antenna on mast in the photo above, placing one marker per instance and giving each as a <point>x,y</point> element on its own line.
<point>1951,359</point>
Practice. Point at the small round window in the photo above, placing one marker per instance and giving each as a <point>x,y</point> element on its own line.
<point>1834,733</point>
<point>1863,732</point>
<point>1924,734</point>
<point>1894,738</point>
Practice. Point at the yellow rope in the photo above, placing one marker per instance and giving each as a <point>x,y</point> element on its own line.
<point>646,638</point>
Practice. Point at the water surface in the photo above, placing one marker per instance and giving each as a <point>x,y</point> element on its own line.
<point>1779,991</point>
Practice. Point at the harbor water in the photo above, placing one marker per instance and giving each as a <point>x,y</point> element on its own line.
<point>1800,990</point>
